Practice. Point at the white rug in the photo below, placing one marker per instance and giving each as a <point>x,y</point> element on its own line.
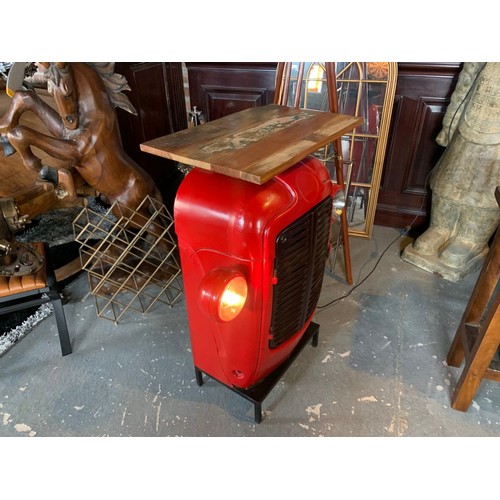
<point>10,338</point>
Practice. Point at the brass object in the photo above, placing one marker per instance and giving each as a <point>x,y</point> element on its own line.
<point>19,259</point>
<point>130,259</point>
<point>16,259</point>
<point>364,89</point>
<point>10,218</point>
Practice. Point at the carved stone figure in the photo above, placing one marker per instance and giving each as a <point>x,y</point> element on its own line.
<point>464,212</point>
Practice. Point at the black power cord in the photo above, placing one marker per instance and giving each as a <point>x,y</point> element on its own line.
<point>403,232</point>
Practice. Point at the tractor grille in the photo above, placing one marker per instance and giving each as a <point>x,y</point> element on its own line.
<point>301,253</point>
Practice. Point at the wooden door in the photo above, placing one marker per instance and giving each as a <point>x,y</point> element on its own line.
<point>423,93</point>
<point>219,89</point>
<point>157,93</point>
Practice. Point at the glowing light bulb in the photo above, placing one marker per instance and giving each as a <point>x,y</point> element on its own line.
<point>233,298</point>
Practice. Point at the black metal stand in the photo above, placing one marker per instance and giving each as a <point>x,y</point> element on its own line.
<point>257,393</point>
<point>37,297</point>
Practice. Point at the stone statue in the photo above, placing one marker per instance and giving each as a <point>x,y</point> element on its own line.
<point>464,212</point>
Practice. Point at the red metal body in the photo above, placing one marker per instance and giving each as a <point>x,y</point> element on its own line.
<point>226,223</point>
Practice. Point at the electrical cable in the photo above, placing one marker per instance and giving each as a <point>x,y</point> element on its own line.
<point>403,233</point>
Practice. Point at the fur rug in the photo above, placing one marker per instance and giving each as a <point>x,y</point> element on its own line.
<point>25,321</point>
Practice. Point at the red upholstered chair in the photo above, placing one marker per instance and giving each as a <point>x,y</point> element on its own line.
<point>22,292</point>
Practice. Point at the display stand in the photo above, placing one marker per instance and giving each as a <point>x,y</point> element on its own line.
<point>257,393</point>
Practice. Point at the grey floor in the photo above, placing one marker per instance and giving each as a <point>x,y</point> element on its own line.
<point>379,369</point>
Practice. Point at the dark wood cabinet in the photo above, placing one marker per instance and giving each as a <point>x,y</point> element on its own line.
<point>157,93</point>
<point>219,89</point>
<point>423,93</point>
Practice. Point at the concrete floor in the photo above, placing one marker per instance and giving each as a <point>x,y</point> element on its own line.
<point>379,369</point>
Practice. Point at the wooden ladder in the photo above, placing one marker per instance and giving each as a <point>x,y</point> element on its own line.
<point>478,336</point>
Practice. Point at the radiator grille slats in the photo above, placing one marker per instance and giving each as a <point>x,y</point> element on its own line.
<point>301,252</point>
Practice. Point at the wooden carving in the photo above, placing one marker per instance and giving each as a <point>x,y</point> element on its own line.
<point>83,132</point>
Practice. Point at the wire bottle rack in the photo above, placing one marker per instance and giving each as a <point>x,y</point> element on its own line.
<point>130,258</point>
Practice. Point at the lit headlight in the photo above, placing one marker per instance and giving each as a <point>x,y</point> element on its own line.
<point>232,298</point>
<point>338,203</point>
<point>223,293</point>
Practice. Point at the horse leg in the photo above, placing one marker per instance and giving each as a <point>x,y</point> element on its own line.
<point>28,100</point>
<point>17,138</point>
<point>22,138</point>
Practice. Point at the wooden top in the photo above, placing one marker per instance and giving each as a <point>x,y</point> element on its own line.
<point>255,144</point>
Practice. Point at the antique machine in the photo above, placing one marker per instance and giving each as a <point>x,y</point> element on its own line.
<point>253,223</point>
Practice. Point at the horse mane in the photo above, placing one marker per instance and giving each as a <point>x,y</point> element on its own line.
<point>115,85</point>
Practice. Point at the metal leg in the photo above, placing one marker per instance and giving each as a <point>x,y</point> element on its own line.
<point>199,376</point>
<point>258,392</point>
<point>314,341</point>
<point>258,412</point>
<point>62,326</point>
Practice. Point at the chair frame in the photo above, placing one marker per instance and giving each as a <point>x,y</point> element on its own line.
<point>39,296</point>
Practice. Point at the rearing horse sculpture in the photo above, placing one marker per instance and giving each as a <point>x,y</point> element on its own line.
<point>84,132</point>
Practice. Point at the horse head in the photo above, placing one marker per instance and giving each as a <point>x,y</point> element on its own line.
<point>61,86</point>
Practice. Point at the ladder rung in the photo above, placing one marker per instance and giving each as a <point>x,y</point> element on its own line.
<point>492,374</point>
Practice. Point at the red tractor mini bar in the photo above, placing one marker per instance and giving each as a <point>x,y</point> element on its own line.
<point>253,258</point>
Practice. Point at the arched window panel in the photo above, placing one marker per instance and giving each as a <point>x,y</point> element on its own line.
<point>307,88</point>
<point>365,89</point>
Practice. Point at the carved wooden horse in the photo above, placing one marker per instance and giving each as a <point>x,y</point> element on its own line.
<point>84,133</point>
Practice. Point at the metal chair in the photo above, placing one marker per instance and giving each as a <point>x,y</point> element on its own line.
<point>22,292</point>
